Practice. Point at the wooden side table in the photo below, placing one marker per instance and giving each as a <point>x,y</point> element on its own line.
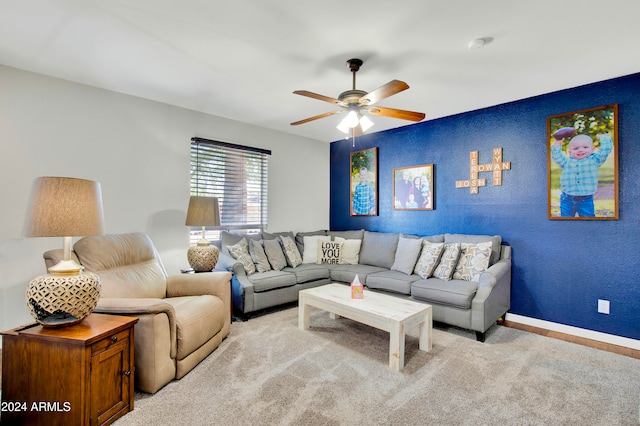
<point>78,375</point>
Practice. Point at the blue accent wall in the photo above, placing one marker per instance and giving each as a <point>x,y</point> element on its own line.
<point>560,268</point>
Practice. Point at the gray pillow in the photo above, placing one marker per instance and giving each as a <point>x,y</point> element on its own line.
<point>273,250</point>
<point>406,255</point>
<point>378,249</point>
<point>258,256</point>
<point>347,235</point>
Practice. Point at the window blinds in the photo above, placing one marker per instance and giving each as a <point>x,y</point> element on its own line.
<point>238,177</point>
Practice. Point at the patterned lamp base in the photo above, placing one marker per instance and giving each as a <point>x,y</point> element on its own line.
<point>203,257</point>
<point>60,300</point>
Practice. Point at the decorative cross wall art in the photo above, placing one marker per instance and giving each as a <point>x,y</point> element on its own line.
<point>497,166</point>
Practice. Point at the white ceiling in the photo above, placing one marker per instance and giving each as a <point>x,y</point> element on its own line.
<point>242,59</point>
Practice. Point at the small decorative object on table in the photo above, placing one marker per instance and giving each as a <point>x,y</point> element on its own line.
<point>64,207</point>
<point>357,288</point>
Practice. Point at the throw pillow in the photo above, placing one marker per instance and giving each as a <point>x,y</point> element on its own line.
<point>310,250</point>
<point>448,261</point>
<point>258,256</point>
<point>350,251</point>
<point>328,252</point>
<point>273,250</point>
<point>429,258</point>
<point>406,255</point>
<point>240,252</point>
<point>290,251</point>
<point>474,259</point>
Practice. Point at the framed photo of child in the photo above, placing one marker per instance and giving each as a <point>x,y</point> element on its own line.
<point>583,164</point>
<point>413,188</point>
<point>364,182</point>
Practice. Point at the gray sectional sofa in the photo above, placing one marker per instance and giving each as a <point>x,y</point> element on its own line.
<point>385,262</point>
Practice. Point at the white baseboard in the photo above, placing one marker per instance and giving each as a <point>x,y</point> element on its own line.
<point>575,331</point>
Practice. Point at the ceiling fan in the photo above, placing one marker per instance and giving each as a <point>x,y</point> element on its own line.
<point>355,102</point>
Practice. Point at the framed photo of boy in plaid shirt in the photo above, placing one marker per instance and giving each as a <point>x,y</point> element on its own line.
<point>583,164</point>
<point>364,182</point>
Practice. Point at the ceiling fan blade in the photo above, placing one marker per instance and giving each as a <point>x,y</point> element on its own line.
<point>396,113</point>
<point>326,114</point>
<point>319,97</point>
<point>384,91</point>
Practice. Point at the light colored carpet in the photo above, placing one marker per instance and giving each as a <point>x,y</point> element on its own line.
<point>267,372</point>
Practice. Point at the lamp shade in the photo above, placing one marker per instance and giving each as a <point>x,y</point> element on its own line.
<point>203,211</point>
<point>65,207</point>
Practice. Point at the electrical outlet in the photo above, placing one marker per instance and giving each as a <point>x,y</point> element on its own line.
<point>603,306</point>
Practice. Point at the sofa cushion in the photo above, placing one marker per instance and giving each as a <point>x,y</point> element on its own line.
<point>378,249</point>
<point>277,235</point>
<point>310,247</point>
<point>350,251</point>
<point>456,293</point>
<point>271,280</point>
<point>474,259</point>
<point>229,239</point>
<point>273,250</point>
<point>347,235</point>
<point>346,273</point>
<point>240,252</point>
<point>429,259</point>
<point>496,241</point>
<point>308,272</point>
<point>128,264</point>
<point>258,256</point>
<point>406,255</point>
<point>448,261</point>
<point>299,237</point>
<point>329,252</point>
<point>394,281</point>
<point>291,252</point>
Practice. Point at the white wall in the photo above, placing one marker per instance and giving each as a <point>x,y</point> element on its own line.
<point>139,151</point>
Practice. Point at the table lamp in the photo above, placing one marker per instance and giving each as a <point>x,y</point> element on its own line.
<point>203,211</point>
<point>64,207</point>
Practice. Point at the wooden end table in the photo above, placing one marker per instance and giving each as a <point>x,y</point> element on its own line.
<point>77,375</point>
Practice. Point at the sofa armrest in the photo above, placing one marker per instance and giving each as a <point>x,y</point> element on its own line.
<point>493,297</point>
<point>226,262</point>
<point>140,306</point>
<point>213,283</point>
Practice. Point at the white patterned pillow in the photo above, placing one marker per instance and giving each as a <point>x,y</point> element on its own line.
<point>290,251</point>
<point>258,256</point>
<point>310,251</point>
<point>240,251</point>
<point>474,259</point>
<point>448,261</point>
<point>350,251</point>
<point>329,252</point>
<point>429,258</point>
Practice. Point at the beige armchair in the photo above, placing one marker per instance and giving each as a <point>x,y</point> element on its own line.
<point>182,318</point>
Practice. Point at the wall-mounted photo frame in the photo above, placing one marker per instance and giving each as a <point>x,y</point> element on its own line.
<point>364,182</point>
<point>413,188</point>
<point>582,164</point>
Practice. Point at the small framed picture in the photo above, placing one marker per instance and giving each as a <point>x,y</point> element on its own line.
<point>583,164</point>
<point>364,182</point>
<point>413,188</point>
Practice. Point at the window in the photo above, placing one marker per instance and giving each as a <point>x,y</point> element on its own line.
<point>237,176</point>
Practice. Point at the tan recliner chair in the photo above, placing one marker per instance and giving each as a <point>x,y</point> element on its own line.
<point>182,318</point>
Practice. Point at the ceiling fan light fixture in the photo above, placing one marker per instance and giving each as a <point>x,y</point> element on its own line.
<point>366,123</point>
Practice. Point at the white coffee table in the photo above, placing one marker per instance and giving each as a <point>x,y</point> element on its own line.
<point>378,310</point>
